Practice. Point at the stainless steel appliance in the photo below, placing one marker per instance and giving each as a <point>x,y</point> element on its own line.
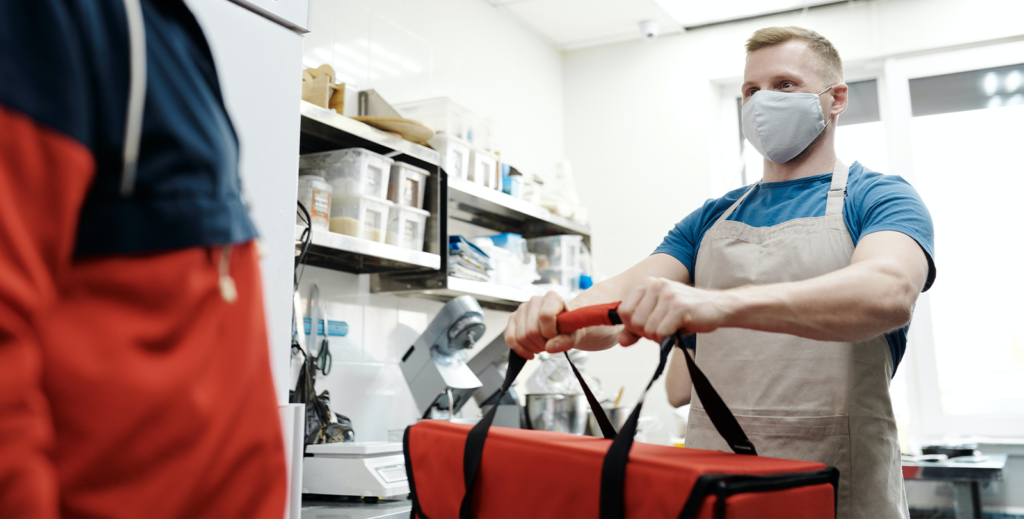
<point>489,365</point>
<point>435,365</point>
<point>557,412</point>
<point>616,415</point>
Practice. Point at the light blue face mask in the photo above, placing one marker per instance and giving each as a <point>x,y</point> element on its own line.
<point>780,125</point>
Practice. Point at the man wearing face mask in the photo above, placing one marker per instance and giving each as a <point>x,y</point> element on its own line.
<point>799,289</point>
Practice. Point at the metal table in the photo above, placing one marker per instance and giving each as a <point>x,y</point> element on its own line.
<point>967,474</point>
<point>351,508</point>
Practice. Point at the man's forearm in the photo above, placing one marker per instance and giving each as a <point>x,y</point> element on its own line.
<point>851,304</point>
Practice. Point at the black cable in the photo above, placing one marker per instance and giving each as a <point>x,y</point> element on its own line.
<point>306,238</point>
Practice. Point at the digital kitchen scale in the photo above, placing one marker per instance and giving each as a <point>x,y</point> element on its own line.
<point>362,469</point>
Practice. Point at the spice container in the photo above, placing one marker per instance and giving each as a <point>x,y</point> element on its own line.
<point>454,155</point>
<point>315,196</point>
<point>407,185</point>
<point>483,169</point>
<point>355,171</point>
<point>407,226</point>
<point>360,216</point>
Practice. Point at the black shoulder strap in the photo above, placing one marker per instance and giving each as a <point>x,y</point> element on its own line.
<point>478,435</point>
<point>721,417</point>
<point>613,472</point>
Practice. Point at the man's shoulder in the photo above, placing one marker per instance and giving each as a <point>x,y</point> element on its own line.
<point>863,178</point>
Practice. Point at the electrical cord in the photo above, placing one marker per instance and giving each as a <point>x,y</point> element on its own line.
<point>306,238</point>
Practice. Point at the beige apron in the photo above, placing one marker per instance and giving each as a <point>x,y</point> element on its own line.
<point>799,398</point>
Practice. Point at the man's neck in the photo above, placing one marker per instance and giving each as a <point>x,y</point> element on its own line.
<point>819,158</point>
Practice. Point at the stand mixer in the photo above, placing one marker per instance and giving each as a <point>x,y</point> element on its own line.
<point>435,365</point>
<point>489,365</point>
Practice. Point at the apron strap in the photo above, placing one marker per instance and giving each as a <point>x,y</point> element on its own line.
<point>837,192</point>
<point>732,208</point>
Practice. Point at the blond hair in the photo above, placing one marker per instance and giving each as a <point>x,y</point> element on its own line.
<point>829,65</point>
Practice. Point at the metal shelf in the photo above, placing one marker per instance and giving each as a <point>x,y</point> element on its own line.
<point>341,252</point>
<point>489,295</point>
<point>325,130</point>
<point>422,274</point>
<point>476,204</point>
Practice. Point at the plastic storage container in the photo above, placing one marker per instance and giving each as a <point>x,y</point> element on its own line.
<point>568,278</point>
<point>483,169</point>
<point>355,171</point>
<point>450,118</point>
<point>407,226</point>
<point>360,216</point>
<point>454,155</point>
<point>407,185</point>
<point>557,252</point>
<point>315,195</point>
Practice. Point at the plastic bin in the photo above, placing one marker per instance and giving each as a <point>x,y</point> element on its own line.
<point>483,169</point>
<point>355,171</point>
<point>360,216</point>
<point>454,155</point>
<point>556,252</point>
<point>568,278</point>
<point>407,185</point>
<point>315,195</point>
<point>450,118</point>
<point>407,226</point>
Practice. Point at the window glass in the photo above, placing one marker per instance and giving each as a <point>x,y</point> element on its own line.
<point>862,106</point>
<point>969,171</point>
<point>972,90</point>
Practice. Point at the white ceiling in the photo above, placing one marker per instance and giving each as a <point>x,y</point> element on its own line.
<point>575,24</point>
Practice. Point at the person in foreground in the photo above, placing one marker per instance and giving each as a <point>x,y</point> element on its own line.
<point>134,367</point>
<point>799,288</point>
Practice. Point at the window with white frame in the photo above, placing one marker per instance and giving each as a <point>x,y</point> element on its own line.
<point>966,140</point>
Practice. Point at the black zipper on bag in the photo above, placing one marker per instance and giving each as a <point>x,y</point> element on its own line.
<point>724,485</point>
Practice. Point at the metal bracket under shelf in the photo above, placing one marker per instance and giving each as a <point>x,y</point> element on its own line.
<point>340,252</point>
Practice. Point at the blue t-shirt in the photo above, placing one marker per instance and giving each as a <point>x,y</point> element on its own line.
<point>874,202</point>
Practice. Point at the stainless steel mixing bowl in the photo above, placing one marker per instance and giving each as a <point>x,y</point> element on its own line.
<point>557,412</point>
<point>616,415</point>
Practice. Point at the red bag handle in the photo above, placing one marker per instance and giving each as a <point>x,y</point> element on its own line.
<point>587,316</point>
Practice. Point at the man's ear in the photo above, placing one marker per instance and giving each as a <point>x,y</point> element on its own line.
<point>840,97</point>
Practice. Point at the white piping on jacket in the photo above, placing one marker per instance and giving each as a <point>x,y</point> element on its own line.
<point>136,95</point>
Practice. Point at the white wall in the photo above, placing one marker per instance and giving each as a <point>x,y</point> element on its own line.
<point>646,131</point>
<point>462,49</point>
<point>409,50</point>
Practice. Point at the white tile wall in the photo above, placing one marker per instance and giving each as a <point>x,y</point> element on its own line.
<point>365,381</point>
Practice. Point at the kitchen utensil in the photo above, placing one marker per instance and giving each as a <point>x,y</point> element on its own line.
<point>619,396</point>
<point>556,412</point>
<point>616,415</point>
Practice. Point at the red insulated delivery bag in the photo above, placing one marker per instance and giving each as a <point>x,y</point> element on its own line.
<point>480,471</point>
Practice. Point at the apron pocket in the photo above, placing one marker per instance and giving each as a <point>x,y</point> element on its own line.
<point>824,439</point>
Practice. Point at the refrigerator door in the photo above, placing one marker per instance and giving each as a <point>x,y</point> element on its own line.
<point>293,14</point>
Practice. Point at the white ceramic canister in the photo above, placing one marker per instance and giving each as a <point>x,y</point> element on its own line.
<point>315,195</point>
